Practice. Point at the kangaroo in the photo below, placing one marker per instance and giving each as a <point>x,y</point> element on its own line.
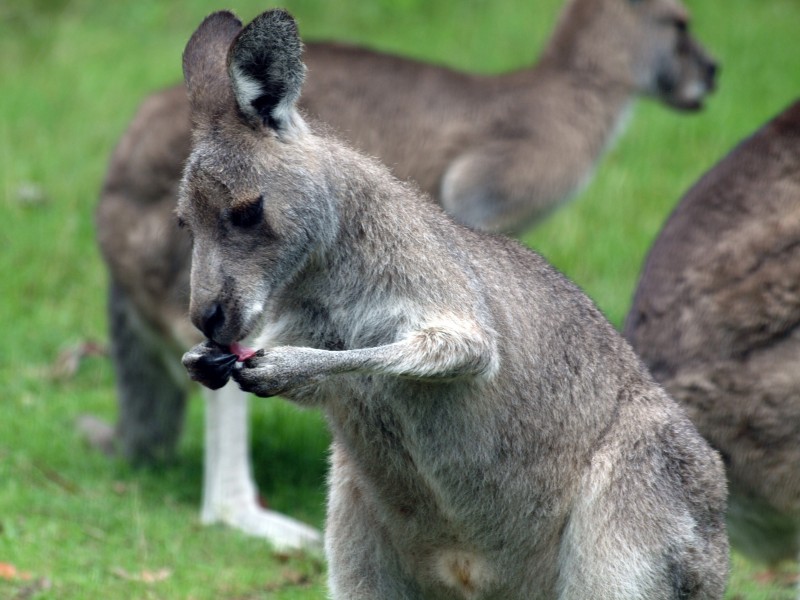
<point>493,435</point>
<point>433,125</point>
<point>716,317</point>
<point>501,152</point>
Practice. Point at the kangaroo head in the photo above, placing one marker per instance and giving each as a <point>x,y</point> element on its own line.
<point>672,65</point>
<point>644,44</point>
<point>666,61</point>
<point>249,194</point>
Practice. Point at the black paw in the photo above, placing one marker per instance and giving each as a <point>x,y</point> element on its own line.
<point>209,364</point>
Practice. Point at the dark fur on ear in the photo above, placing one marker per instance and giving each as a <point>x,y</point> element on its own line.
<point>204,67</point>
<point>266,69</point>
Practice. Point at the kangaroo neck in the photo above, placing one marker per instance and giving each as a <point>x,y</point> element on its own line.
<point>573,75</point>
<point>583,68</point>
<point>386,235</point>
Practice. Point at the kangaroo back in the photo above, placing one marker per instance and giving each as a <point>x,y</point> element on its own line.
<point>716,317</point>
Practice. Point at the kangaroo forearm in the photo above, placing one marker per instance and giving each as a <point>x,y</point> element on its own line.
<point>431,353</point>
<point>443,349</point>
<point>459,349</point>
<point>434,353</point>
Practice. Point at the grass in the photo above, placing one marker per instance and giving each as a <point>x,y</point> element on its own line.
<point>77,525</point>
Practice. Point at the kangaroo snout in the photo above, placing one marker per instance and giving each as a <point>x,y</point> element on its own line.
<point>707,65</point>
<point>219,318</point>
<point>712,69</point>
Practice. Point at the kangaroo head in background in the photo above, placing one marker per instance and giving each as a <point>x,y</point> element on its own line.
<point>647,44</point>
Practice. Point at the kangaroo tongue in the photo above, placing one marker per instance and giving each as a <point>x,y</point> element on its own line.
<point>242,353</point>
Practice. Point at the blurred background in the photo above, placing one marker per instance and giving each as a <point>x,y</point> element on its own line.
<point>74,524</point>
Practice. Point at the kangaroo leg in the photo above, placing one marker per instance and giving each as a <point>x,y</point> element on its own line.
<point>362,565</point>
<point>229,492</point>
<point>151,391</point>
<point>625,541</point>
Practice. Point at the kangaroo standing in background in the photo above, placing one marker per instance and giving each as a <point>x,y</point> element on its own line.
<point>494,436</point>
<point>506,147</point>
<point>716,317</point>
<point>500,152</point>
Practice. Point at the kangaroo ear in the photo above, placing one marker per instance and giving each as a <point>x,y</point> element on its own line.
<point>204,68</point>
<point>266,69</point>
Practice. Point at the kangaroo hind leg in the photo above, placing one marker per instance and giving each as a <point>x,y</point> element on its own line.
<point>151,392</point>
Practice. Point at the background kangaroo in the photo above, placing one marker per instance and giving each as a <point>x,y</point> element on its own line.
<point>494,436</point>
<point>506,147</point>
<point>716,317</point>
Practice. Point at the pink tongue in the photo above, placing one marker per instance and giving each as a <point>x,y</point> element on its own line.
<point>241,352</point>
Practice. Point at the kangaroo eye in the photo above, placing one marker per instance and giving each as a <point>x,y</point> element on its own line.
<point>682,25</point>
<point>248,215</point>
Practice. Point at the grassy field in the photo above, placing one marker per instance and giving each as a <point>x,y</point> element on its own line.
<point>76,525</point>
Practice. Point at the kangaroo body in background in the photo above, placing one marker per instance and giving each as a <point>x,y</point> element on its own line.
<point>500,151</point>
<point>494,436</point>
<point>716,317</point>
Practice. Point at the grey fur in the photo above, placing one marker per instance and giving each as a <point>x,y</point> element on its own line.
<point>494,437</point>
<point>716,317</point>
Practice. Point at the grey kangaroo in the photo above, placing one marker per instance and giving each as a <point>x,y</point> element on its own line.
<point>532,135</point>
<point>494,436</point>
<point>716,317</point>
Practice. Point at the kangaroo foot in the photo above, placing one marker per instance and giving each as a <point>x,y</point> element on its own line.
<point>284,533</point>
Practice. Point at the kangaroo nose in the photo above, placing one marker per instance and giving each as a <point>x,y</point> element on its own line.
<point>712,70</point>
<point>211,320</point>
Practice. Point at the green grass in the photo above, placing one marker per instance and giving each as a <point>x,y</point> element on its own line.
<point>71,75</point>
